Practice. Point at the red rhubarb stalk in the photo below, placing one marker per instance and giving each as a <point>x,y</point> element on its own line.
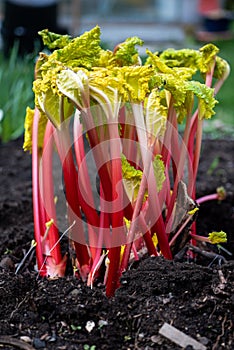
<point>117,210</point>
<point>62,140</point>
<point>36,195</point>
<point>48,193</point>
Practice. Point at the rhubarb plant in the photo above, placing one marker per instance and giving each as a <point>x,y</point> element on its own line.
<point>126,115</point>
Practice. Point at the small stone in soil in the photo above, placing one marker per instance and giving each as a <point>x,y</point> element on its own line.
<point>38,343</point>
<point>7,264</point>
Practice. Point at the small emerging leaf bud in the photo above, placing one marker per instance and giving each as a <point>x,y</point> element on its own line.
<point>221,193</point>
<point>217,237</point>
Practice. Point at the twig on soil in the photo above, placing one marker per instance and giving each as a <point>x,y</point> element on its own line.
<point>219,289</point>
<point>77,341</point>
<point>210,255</point>
<point>7,340</point>
<point>136,347</point>
<point>31,250</point>
<point>220,335</point>
<point>213,311</point>
<point>180,255</point>
<point>18,306</point>
<point>223,280</point>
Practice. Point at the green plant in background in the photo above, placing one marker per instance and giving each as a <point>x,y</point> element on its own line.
<point>16,76</point>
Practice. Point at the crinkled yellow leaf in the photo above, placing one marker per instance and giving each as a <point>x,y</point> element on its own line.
<point>131,179</point>
<point>208,55</point>
<point>217,237</point>
<point>181,58</point>
<point>135,81</point>
<point>158,64</point>
<point>82,51</point>
<point>28,125</point>
<point>126,53</point>
<point>222,68</point>
<point>106,59</point>
<point>206,100</point>
<point>53,40</point>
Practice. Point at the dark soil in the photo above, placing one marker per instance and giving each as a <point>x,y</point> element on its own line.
<point>195,297</point>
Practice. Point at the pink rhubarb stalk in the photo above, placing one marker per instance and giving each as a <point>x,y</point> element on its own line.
<point>48,194</point>
<point>37,207</point>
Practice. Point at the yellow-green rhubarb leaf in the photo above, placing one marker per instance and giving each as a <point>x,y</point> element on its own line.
<point>208,55</point>
<point>178,89</point>
<point>181,58</point>
<point>135,81</point>
<point>53,40</point>
<point>222,69</point>
<point>82,51</point>
<point>28,126</point>
<point>126,53</point>
<point>106,59</point>
<point>206,100</point>
<point>217,237</point>
<point>158,64</point>
<point>131,179</point>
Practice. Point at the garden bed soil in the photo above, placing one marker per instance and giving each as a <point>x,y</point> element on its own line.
<point>195,297</point>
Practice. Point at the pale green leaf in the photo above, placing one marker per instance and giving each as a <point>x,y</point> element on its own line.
<point>159,171</point>
<point>155,115</point>
<point>74,86</point>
